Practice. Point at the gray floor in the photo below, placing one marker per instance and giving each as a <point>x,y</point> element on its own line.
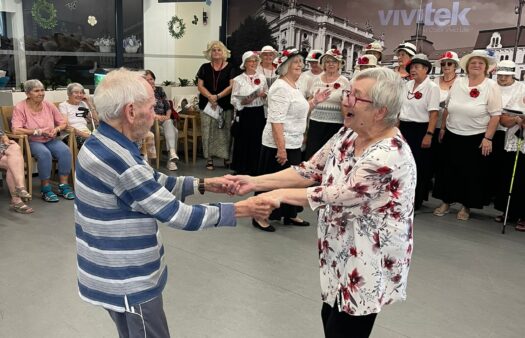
<point>466,280</point>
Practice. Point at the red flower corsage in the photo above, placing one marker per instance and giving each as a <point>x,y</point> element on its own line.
<point>474,92</point>
<point>418,95</point>
<point>257,81</point>
<point>336,85</point>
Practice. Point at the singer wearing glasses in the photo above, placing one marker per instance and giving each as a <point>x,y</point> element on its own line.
<point>362,183</point>
<point>77,111</point>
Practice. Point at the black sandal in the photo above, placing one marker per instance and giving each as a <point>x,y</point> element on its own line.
<point>209,165</point>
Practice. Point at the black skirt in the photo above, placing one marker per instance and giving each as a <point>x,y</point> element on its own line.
<point>465,174</point>
<point>517,201</point>
<point>268,165</point>
<point>247,142</point>
<point>318,134</point>
<point>496,167</point>
<point>414,132</point>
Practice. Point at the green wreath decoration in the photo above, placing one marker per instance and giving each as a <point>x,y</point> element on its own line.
<point>175,20</point>
<point>44,14</point>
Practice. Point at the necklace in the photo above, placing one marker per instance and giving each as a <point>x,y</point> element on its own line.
<point>447,81</point>
<point>216,80</point>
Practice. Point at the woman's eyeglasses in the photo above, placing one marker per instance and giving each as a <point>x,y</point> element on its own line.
<point>352,99</point>
<point>447,63</point>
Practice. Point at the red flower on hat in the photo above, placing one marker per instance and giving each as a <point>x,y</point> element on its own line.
<point>474,92</point>
<point>336,85</point>
<point>369,46</point>
<point>336,52</point>
<point>257,81</point>
<point>363,60</point>
<point>316,55</point>
<point>447,55</point>
<point>418,95</point>
<point>286,53</point>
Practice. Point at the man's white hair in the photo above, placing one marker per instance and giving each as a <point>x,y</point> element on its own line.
<point>119,88</point>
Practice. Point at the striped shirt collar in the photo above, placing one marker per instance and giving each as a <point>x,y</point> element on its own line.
<point>111,133</point>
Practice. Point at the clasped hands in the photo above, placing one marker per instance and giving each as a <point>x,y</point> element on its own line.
<point>258,207</point>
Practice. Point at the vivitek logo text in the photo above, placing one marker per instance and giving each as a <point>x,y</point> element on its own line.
<point>430,16</point>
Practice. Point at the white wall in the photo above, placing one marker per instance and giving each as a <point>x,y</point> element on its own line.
<point>15,29</point>
<point>171,58</point>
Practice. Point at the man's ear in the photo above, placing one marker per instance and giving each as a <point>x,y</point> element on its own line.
<point>129,113</point>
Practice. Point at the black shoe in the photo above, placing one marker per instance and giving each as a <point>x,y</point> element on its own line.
<point>269,228</point>
<point>289,221</point>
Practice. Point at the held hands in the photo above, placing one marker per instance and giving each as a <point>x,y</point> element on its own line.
<point>240,184</point>
<point>256,207</point>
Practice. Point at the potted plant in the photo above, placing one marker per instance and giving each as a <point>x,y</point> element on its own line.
<point>131,44</point>
<point>184,82</point>
<point>104,44</point>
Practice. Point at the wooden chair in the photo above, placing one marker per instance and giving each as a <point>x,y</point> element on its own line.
<point>182,126</point>
<point>7,114</point>
<point>23,142</point>
<point>159,137</point>
<point>193,133</point>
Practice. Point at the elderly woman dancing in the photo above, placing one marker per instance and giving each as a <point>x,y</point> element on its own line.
<point>12,161</point>
<point>42,121</point>
<point>362,183</point>
<point>215,80</point>
<point>471,116</point>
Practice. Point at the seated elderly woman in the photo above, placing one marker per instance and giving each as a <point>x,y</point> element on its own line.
<point>76,110</point>
<point>362,183</point>
<point>42,121</point>
<point>12,161</point>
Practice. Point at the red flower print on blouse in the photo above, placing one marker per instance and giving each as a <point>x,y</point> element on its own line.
<point>396,143</point>
<point>336,85</point>
<point>360,189</point>
<point>377,244</point>
<point>393,187</point>
<point>384,171</point>
<point>353,251</point>
<point>474,92</point>
<point>396,278</point>
<point>388,262</point>
<point>356,280</point>
<point>257,82</point>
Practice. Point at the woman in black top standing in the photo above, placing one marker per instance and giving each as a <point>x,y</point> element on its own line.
<point>215,85</point>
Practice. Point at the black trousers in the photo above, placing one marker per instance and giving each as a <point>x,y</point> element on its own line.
<point>342,325</point>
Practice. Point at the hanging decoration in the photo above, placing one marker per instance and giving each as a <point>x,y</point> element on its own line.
<point>176,21</point>
<point>44,14</point>
<point>92,20</point>
<point>72,5</point>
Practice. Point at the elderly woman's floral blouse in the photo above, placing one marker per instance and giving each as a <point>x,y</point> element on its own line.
<point>366,212</point>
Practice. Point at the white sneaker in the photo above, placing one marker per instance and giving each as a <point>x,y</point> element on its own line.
<point>172,165</point>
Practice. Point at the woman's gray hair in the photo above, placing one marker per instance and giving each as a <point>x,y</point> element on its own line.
<point>72,86</point>
<point>388,91</point>
<point>29,85</point>
<point>283,69</point>
<point>119,88</point>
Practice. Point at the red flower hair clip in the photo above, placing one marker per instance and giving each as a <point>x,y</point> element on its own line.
<point>337,85</point>
<point>363,60</point>
<point>474,92</point>
<point>257,81</point>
